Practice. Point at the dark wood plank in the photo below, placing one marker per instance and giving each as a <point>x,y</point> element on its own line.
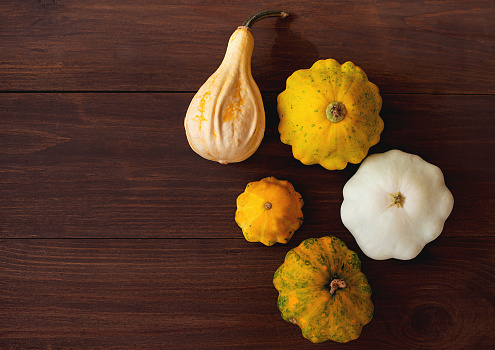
<point>404,46</point>
<point>215,294</point>
<point>114,234</point>
<point>118,165</point>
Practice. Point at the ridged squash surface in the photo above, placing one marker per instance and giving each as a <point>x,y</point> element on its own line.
<point>307,299</point>
<point>329,114</point>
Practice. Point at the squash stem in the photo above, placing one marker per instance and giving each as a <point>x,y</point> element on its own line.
<point>336,111</point>
<point>397,200</point>
<point>337,284</point>
<point>263,14</point>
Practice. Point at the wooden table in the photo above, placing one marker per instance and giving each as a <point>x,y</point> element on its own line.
<point>116,235</point>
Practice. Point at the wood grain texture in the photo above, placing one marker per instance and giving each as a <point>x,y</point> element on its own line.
<point>406,46</point>
<point>114,234</point>
<point>145,294</point>
<point>119,166</point>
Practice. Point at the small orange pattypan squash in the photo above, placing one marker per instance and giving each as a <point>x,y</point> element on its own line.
<point>323,291</point>
<point>329,114</point>
<point>269,211</point>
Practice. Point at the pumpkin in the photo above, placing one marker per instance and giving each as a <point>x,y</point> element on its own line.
<point>329,114</point>
<point>225,121</point>
<point>269,211</point>
<point>395,204</point>
<point>322,290</point>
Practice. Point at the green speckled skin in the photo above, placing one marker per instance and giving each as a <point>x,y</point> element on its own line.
<point>304,295</point>
<point>303,120</point>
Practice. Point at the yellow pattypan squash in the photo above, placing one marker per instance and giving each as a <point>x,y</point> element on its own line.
<point>329,114</point>
<point>269,211</point>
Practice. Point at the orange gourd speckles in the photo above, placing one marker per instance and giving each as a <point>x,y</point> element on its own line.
<point>323,291</point>
<point>329,114</point>
<point>269,211</point>
<point>201,107</point>
<point>235,106</point>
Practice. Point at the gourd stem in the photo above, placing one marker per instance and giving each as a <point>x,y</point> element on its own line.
<point>268,205</point>
<point>397,200</point>
<point>263,14</point>
<point>336,111</point>
<point>337,284</point>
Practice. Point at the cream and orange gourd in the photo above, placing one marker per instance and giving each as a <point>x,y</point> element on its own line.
<point>225,121</point>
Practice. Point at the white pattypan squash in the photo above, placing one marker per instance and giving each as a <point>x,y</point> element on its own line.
<point>395,204</point>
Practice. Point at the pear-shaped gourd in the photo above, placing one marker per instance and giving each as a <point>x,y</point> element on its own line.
<point>225,121</point>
